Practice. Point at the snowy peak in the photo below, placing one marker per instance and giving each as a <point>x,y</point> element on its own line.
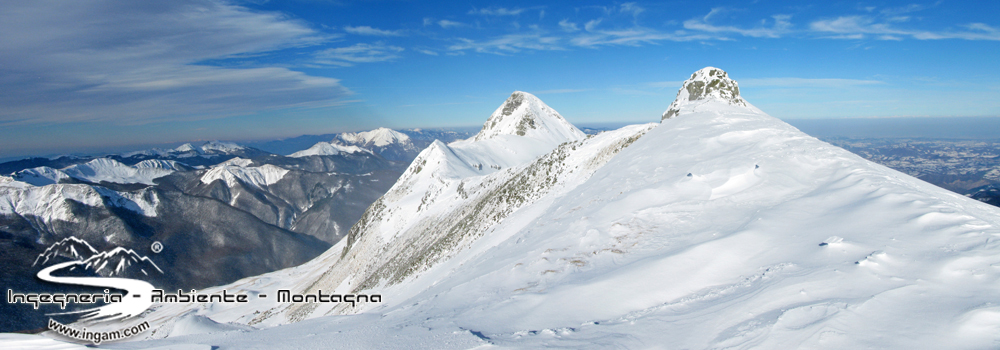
<point>328,149</point>
<point>523,114</point>
<point>160,164</point>
<point>100,169</point>
<point>259,177</point>
<point>707,84</point>
<point>40,176</point>
<point>187,147</point>
<point>380,137</point>
<point>211,147</point>
<point>221,147</point>
<point>110,170</point>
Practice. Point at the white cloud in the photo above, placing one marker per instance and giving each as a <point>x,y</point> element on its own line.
<point>449,24</point>
<point>592,25</point>
<point>496,11</point>
<point>780,26</point>
<point>358,53</point>
<point>845,24</point>
<point>633,37</point>
<point>855,27</point>
<point>568,26</point>
<point>631,8</point>
<point>366,30</point>
<point>427,52</point>
<point>91,61</point>
<point>507,44</point>
<point>895,11</point>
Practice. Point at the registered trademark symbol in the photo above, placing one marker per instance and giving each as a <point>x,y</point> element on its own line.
<point>157,247</point>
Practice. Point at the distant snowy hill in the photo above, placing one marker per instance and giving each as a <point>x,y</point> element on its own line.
<point>380,137</point>
<point>184,157</point>
<point>419,137</point>
<point>720,227</point>
<point>101,170</point>
<point>327,149</point>
<point>388,143</point>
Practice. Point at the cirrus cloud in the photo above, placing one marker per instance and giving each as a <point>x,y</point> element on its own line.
<point>358,53</point>
<point>85,61</point>
<point>366,30</point>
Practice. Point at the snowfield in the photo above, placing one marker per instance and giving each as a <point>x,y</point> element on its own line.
<point>327,149</point>
<point>380,137</point>
<point>720,227</point>
<point>100,170</point>
<point>259,177</point>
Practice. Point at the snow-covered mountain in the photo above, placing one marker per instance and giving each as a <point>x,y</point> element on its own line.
<point>390,144</point>
<point>109,170</point>
<point>380,137</point>
<point>721,227</point>
<point>259,177</point>
<point>523,114</point>
<point>48,204</point>
<point>190,150</point>
<point>709,87</point>
<point>327,149</point>
<point>91,169</point>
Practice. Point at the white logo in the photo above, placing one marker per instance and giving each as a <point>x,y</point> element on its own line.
<point>108,264</point>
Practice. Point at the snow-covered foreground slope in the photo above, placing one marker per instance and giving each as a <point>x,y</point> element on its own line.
<point>721,227</point>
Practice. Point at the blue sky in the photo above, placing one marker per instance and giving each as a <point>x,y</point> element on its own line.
<point>86,76</point>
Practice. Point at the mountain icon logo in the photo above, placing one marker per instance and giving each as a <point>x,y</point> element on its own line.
<point>111,267</point>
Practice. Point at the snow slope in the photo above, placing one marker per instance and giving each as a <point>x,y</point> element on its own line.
<point>722,227</point>
<point>98,170</point>
<point>523,114</point>
<point>259,177</point>
<point>104,169</point>
<point>190,150</point>
<point>380,137</point>
<point>53,202</point>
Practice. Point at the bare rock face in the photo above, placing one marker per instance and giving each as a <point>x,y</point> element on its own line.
<point>709,83</point>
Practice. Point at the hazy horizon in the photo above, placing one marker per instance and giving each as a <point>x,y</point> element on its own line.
<point>975,128</point>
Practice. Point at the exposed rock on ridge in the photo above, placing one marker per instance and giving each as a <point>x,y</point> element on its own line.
<point>707,84</point>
